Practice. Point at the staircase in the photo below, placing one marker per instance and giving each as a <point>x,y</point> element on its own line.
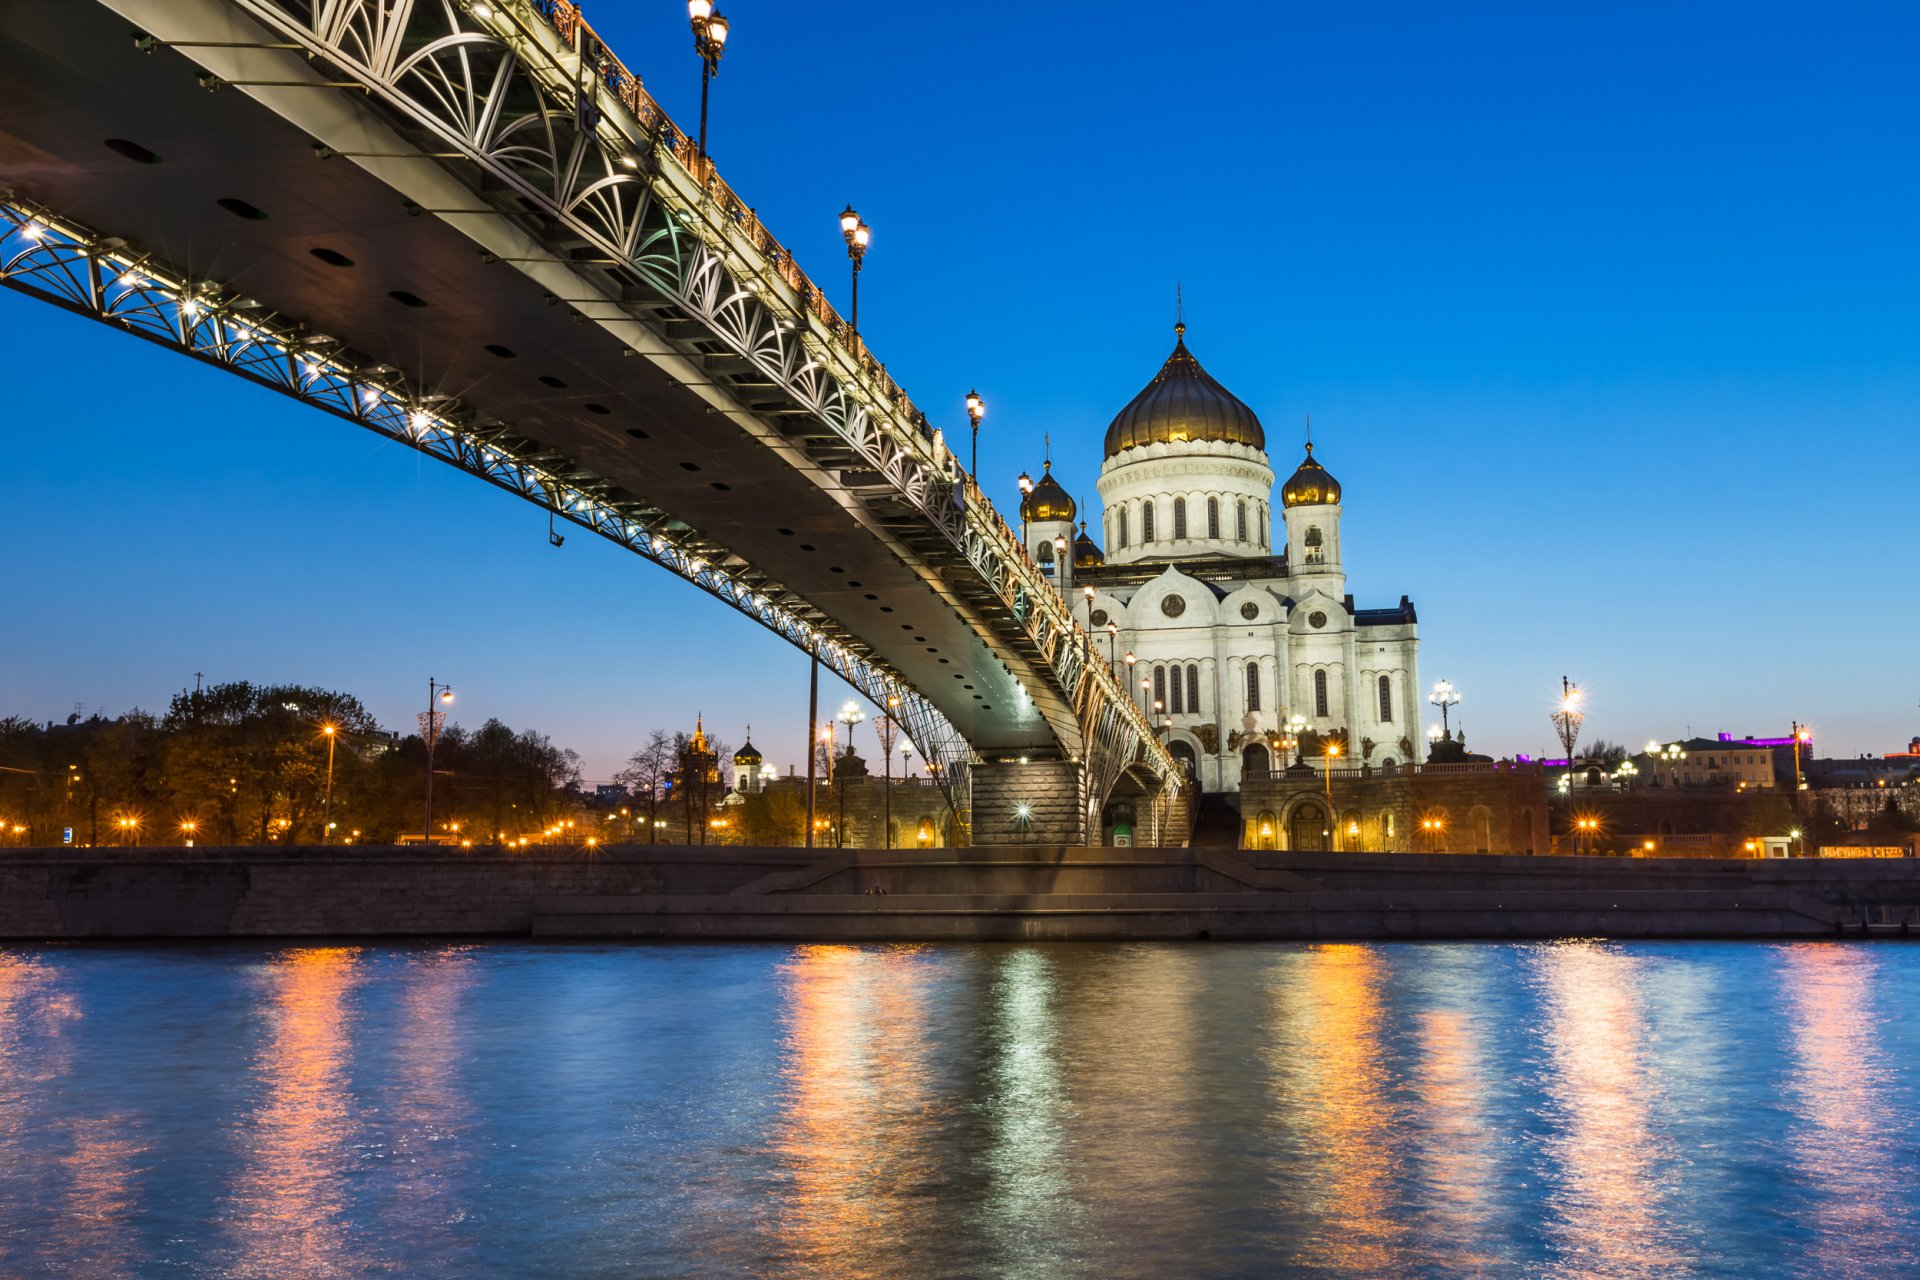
<point>1217,824</point>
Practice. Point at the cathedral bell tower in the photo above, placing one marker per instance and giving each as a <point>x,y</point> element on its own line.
<point>1047,512</point>
<point>1311,500</point>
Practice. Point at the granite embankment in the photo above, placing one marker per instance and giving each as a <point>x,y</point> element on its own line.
<point>1033,893</point>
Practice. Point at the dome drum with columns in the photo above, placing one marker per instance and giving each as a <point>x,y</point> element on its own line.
<point>1233,635</point>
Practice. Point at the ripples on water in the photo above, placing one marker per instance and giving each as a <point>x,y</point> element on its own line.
<point>1564,1110</point>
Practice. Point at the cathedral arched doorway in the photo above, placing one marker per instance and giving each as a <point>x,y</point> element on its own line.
<point>1307,832</point>
<point>1255,762</point>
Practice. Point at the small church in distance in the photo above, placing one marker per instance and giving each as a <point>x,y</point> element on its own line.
<point>1232,636</point>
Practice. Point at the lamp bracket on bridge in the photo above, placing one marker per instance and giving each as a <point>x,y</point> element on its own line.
<point>415,210</point>
<point>147,44</point>
<point>324,152</point>
<point>213,84</point>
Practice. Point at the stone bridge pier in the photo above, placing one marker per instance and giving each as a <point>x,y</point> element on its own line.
<point>1050,802</point>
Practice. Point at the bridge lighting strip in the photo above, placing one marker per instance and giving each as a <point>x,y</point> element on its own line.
<point>63,263</point>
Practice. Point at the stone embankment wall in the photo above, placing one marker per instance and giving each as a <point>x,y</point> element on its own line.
<point>317,891</point>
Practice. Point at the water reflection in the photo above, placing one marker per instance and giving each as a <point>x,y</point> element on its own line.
<point>1849,1143</point>
<point>1607,1213</point>
<point>289,1210</point>
<point>1025,1190</point>
<point>1336,1102</point>
<point>857,1083</point>
<point>430,1113</point>
<point>1459,1167</point>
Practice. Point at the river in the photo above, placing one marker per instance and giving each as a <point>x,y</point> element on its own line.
<point>513,1110</point>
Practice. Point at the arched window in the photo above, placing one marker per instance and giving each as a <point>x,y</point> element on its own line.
<point>1253,686</point>
<point>1179,518</point>
<point>1254,761</point>
<point>1240,520</point>
<point>1176,703</point>
<point>1044,553</point>
<point>1261,509</point>
<point>1120,527</point>
<point>1146,521</point>
<point>1213,518</point>
<point>1387,828</point>
<point>1386,700</point>
<point>1193,688</point>
<point>1320,693</point>
<point>1315,550</point>
<point>1160,685</point>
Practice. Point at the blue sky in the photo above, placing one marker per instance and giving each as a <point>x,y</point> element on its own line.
<point>1608,321</point>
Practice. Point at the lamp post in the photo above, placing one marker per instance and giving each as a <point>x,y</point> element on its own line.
<point>1296,729</point>
<point>1444,696</point>
<point>1800,734</point>
<point>187,828</point>
<point>813,728</point>
<point>709,41</point>
<point>1086,647</point>
<point>1026,489</point>
<point>856,233</point>
<point>430,722</point>
<point>850,715</point>
<point>1326,772</point>
<point>976,410</point>
<point>1145,686</point>
<point>1113,636</point>
<point>885,728</point>
<point>326,820</point>
<point>1059,561</point>
<point>1566,722</point>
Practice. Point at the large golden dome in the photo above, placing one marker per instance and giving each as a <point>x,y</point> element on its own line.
<point>1310,485</point>
<point>1183,402</point>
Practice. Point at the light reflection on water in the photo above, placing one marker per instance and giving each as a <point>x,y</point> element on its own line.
<point>1562,1110</point>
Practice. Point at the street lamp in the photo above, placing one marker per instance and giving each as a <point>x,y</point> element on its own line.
<point>856,233</point>
<point>1800,734</point>
<point>709,41</point>
<point>1566,722</point>
<point>1026,489</point>
<point>884,728</point>
<point>976,410</point>
<point>430,723</point>
<point>187,829</point>
<point>1296,730</point>
<point>1326,771</point>
<point>1444,696</point>
<point>850,715</point>
<point>326,831</point>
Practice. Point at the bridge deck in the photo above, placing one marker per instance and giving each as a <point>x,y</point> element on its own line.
<point>667,426</point>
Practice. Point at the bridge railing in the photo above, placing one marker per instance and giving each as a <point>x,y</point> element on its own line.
<point>570,25</point>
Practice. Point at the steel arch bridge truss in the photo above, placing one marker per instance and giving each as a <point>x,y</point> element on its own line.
<point>530,95</point>
<point>61,263</point>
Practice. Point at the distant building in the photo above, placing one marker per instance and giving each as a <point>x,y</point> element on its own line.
<point>751,772</point>
<point>1742,764</point>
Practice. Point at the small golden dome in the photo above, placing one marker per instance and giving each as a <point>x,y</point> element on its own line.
<point>1086,553</point>
<point>1310,485</point>
<point>1048,501</point>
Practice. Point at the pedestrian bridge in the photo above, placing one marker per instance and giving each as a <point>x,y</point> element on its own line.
<point>466,226</point>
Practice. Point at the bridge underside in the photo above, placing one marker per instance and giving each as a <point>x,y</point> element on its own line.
<point>238,195</point>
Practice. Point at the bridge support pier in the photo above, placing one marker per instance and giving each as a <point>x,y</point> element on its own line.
<point>1041,802</point>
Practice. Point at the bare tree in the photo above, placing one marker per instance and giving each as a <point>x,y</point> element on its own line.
<point>647,773</point>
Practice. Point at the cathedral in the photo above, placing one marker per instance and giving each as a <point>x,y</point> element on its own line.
<point>1223,638</point>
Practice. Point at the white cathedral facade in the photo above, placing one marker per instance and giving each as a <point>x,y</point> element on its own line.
<point>1231,636</point>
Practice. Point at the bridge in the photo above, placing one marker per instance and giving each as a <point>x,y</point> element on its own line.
<point>466,226</point>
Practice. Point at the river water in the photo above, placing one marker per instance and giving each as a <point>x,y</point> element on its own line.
<point>1571,1109</point>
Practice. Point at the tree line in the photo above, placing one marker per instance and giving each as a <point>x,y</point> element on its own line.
<point>253,764</point>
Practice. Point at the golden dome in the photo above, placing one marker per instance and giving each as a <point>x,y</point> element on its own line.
<point>1310,485</point>
<point>1048,501</point>
<point>1086,553</point>
<point>1183,402</point>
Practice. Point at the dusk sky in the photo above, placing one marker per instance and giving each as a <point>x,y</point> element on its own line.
<point>1608,322</point>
